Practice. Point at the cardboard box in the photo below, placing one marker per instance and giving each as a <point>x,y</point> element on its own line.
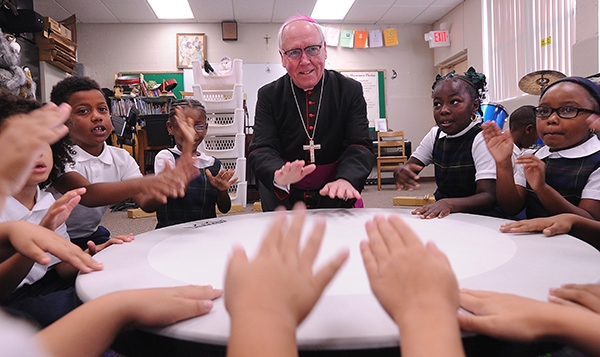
<point>66,33</point>
<point>51,24</point>
<point>413,201</point>
<point>139,213</point>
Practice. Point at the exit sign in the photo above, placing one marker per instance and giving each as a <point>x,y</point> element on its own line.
<point>437,38</point>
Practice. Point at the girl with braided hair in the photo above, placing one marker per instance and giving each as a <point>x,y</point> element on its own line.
<point>465,172</point>
<point>207,189</point>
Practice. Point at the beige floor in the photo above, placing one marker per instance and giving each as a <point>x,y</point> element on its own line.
<point>118,223</point>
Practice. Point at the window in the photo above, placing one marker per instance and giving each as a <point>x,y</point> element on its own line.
<point>523,36</point>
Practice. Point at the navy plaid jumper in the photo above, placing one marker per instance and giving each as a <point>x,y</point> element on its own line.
<point>198,203</point>
<point>454,165</point>
<point>568,176</point>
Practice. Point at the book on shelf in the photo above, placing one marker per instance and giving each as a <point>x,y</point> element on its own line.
<point>145,105</point>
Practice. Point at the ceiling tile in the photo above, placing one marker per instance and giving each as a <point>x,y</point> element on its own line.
<point>212,10</point>
<point>286,8</point>
<point>50,8</point>
<point>389,12</point>
<point>363,12</point>
<point>131,10</point>
<point>432,14</point>
<point>402,14</point>
<point>89,11</point>
<point>253,11</point>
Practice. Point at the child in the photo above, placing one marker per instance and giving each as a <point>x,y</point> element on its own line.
<point>583,228</point>
<point>70,336</point>
<point>43,292</point>
<point>522,129</point>
<point>563,175</point>
<point>209,187</point>
<point>464,169</point>
<point>96,163</point>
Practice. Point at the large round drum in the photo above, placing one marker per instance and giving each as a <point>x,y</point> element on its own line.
<point>494,112</point>
<point>348,316</point>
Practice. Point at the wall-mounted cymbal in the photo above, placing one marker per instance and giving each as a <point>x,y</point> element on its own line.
<point>535,82</point>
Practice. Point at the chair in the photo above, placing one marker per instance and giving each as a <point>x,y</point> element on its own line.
<point>390,152</point>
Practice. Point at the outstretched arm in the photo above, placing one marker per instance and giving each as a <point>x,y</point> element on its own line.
<point>407,175</point>
<point>34,241</point>
<point>416,287</point>
<point>583,228</point>
<point>72,334</point>
<point>516,318</point>
<point>500,145</point>
<point>483,200</point>
<point>268,297</point>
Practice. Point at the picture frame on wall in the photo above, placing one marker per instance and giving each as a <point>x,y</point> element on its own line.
<point>190,47</point>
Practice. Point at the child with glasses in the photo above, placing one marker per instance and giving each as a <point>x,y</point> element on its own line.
<point>464,169</point>
<point>205,190</point>
<point>562,176</point>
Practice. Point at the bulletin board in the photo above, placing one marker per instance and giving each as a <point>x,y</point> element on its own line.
<point>159,77</point>
<point>373,83</point>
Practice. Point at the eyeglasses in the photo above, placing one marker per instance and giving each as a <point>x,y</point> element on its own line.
<point>543,112</point>
<point>296,53</point>
<point>200,127</point>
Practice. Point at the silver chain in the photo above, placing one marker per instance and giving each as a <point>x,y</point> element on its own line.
<point>318,108</point>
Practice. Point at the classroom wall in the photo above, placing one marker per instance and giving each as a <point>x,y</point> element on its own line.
<point>106,49</point>
<point>464,24</point>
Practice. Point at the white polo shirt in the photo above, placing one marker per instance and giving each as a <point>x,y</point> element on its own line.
<point>15,211</point>
<point>112,165</point>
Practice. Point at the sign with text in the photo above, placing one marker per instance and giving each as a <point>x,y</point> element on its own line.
<point>438,38</point>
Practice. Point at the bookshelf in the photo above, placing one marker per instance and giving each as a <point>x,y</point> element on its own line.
<point>151,134</point>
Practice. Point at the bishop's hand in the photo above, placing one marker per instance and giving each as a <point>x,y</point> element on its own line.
<point>341,189</point>
<point>292,172</point>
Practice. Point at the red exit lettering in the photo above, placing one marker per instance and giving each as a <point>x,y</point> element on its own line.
<point>440,36</point>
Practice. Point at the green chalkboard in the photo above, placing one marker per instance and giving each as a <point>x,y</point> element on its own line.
<point>159,77</point>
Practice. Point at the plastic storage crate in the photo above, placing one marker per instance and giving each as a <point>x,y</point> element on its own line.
<point>225,122</point>
<point>220,100</point>
<point>238,193</point>
<point>224,147</point>
<point>215,81</point>
<point>238,165</point>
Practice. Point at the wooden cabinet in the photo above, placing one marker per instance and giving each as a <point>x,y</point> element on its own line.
<point>145,153</point>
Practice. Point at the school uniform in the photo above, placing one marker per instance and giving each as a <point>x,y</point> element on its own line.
<point>460,160</point>
<point>573,172</point>
<point>112,165</point>
<point>200,196</point>
<point>42,295</point>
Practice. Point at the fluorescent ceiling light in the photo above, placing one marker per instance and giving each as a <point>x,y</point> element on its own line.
<point>171,9</point>
<point>331,9</point>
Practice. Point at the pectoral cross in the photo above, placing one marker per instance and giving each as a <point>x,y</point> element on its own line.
<point>267,37</point>
<point>311,147</point>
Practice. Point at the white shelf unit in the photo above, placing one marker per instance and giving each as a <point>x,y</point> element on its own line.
<point>223,99</point>
<point>220,123</point>
<point>238,193</point>
<point>215,80</point>
<point>224,147</point>
<point>238,165</point>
